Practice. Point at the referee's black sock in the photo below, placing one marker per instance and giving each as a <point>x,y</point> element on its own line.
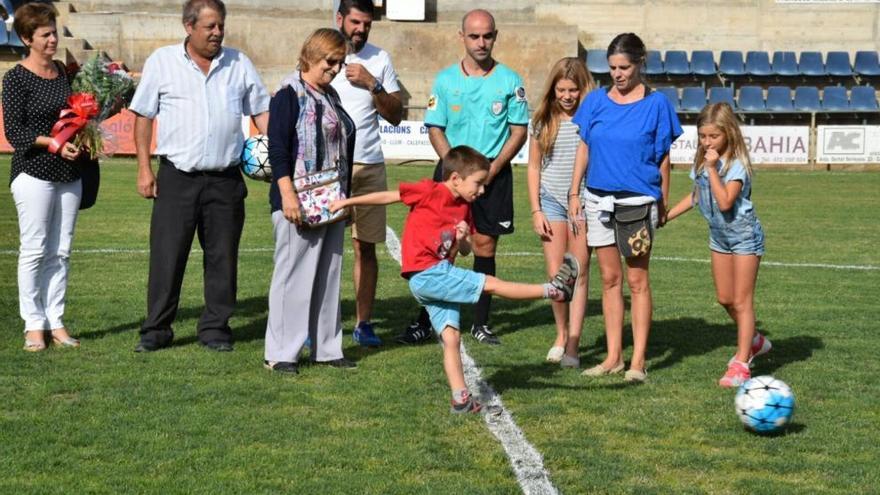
<point>423,319</point>
<point>483,264</point>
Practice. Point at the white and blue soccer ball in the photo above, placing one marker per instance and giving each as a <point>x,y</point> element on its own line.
<point>255,158</point>
<point>764,404</point>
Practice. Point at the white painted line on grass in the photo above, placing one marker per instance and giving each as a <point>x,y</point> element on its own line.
<point>527,462</point>
<point>515,254</point>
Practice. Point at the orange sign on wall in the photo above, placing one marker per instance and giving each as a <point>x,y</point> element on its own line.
<point>119,134</point>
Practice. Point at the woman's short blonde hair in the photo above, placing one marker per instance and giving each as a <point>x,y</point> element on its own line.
<point>319,45</point>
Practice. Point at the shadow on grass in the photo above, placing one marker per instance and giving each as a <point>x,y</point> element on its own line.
<point>251,315</point>
<point>790,429</point>
<point>671,342</point>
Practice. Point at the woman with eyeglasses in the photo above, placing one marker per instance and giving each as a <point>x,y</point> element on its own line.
<point>308,131</point>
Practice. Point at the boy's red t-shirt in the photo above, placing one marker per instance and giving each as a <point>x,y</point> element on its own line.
<point>429,231</point>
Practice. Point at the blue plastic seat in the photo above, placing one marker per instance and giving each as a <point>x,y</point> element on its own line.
<point>14,40</point>
<point>751,99</point>
<point>654,63</point>
<point>758,64</point>
<point>811,64</point>
<point>834,98</point>
<point>597,62</point>
<point>779,99</point>
<point>806,98</point>
<point>863,98</point>
<point>731,63</point>
<point>837,64</point>
<point>785,64</point>
<point>721,94</point>
<point>867,64</point>
<point>4,36</point>
<point>676,63</point>
<point>693,99</point>
<point>672,95</point>
<point>703,63</point>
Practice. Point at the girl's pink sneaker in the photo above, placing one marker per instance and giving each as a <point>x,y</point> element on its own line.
<point>737,374</point>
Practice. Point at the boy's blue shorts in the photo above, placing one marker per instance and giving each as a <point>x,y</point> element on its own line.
<point>442,288</point>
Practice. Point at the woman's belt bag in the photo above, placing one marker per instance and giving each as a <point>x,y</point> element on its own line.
<point>316,190</point>
<point>633,230</point>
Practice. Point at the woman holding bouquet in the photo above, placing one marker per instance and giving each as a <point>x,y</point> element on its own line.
<point>46,186</point>
<point>308,131</point>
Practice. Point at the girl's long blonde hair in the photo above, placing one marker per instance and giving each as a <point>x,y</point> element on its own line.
<point>546,118</point>
<point>721,116</point>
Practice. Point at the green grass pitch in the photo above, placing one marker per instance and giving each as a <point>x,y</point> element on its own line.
<point>103,419</point>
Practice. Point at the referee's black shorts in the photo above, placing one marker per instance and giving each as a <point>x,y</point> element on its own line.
<point>493,211</point>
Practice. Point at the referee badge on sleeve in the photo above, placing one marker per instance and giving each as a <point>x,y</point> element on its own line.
<point>432,102</point>
<point>520,93</point>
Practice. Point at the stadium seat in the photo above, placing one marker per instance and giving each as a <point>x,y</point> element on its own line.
<point>4,36</point>
<point>731,63</point>
<point>597,62</point>
<point>676,63</point>
<point>672,94</point>
<point>693,99</point>
<point>810,64</point>
<point>751,99</point>
<point>779,99</point>
<point>834,99</point>
<point>863,98</point>
<point>806,98</point>
<point>14,40</point>
<point>837,64</point>
<point>758,64</point>
<point>703,63</point>
<point>785,64</point>
<point>654,64</point>
<point>720,94</point>
<point>867,64</point>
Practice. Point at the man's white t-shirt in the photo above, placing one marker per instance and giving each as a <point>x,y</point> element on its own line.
<point>358,102</point>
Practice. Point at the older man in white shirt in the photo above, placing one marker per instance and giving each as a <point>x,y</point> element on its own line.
<point>198,91</point>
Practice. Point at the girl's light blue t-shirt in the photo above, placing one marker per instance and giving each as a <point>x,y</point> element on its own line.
<point>742,206</point>
<point>627,141</point>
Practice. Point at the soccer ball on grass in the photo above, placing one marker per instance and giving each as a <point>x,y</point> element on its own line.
<point>764,404</point>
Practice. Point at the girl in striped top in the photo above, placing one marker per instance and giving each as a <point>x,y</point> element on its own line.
<point>553,141</point>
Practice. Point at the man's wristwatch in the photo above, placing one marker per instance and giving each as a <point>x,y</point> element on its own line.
<point>377,88</point>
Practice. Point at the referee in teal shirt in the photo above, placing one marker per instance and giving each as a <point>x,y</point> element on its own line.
<point>481,103</point>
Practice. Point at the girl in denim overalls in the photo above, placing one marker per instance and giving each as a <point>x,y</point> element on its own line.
<point>722,175</point>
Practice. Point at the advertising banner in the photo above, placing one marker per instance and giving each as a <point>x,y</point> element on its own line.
<point>409,141</point>
<point>767,144</point>
<point>848,144</point>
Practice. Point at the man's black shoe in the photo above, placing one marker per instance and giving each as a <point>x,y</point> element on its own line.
<point>148,346</point>
<point>484,335</point>
<point>219,346</point>
<point>415,333</point>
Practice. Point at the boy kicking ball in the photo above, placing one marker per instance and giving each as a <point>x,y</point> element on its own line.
<point>438,227</point>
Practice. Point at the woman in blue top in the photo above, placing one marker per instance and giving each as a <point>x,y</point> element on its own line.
<point>626,132</point>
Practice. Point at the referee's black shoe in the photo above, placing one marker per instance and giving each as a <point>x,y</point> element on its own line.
<point>416,333</point>
<point>484,335</point>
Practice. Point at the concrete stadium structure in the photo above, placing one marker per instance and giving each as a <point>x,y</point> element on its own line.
<point>533,34</point>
